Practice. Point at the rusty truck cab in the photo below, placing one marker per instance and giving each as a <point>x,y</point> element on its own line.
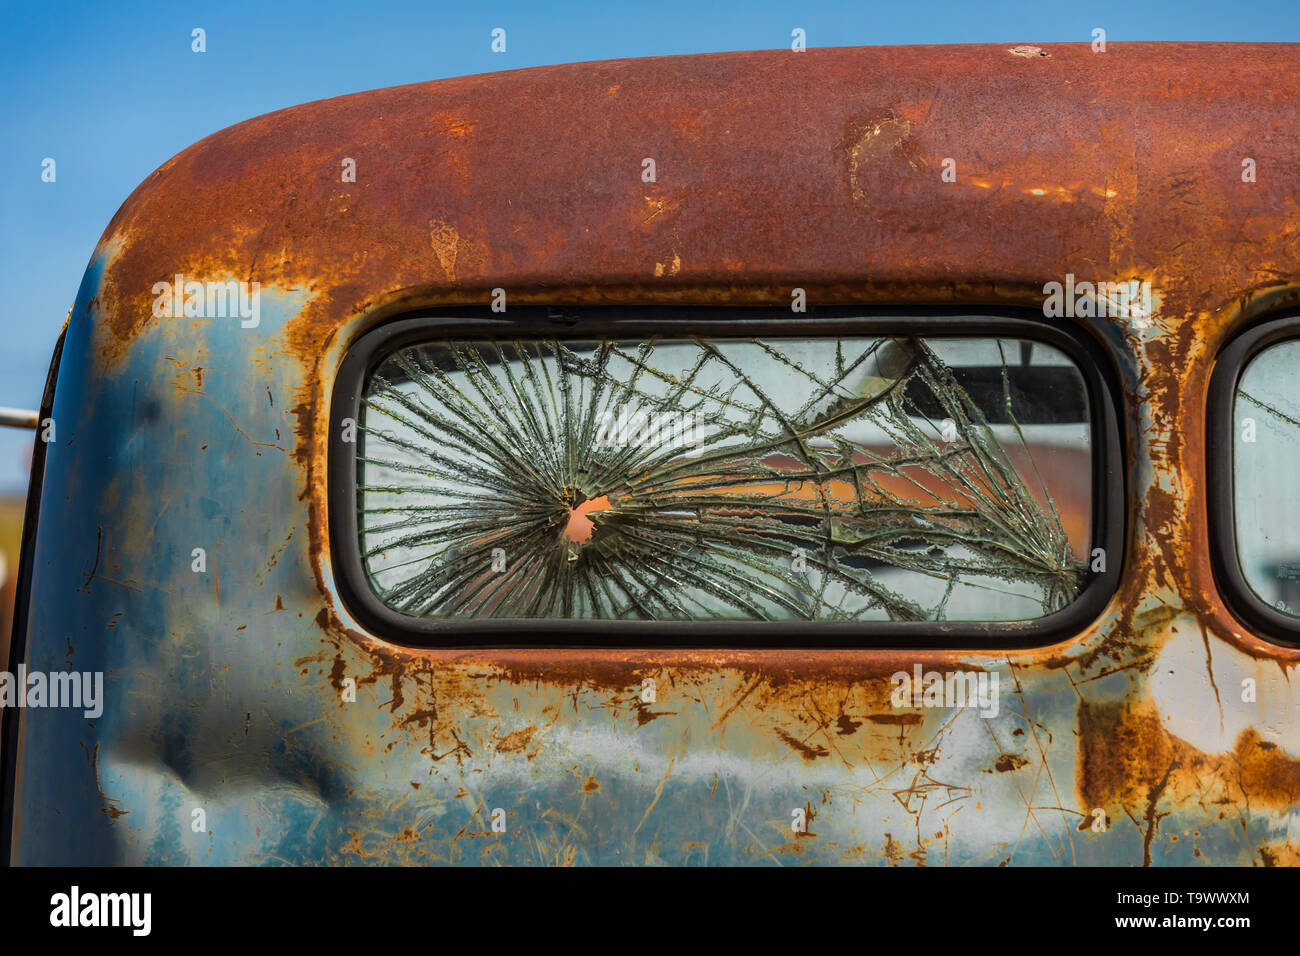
<point>845,456</point>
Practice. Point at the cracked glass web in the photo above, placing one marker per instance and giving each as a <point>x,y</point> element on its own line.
<point>830,479</point>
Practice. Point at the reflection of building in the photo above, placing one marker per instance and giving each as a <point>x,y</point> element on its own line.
<point>1288,577</point>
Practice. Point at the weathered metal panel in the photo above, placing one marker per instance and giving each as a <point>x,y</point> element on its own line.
<point>818,170</point>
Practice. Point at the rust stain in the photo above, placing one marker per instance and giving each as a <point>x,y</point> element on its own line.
<point>1131,766</point>
<point>1281,854</point>
<point>807,751</point>
<point>904,720</point>
<point>877,144</point>
<point>446,245</point>
<point>516,740</point>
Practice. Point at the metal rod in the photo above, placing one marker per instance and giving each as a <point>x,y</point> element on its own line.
<point>19,418</point>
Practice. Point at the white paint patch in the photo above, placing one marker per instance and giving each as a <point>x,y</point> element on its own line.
<point>1211,721</point>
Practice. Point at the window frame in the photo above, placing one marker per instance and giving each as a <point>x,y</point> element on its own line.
<point>1241,600</point>
<point>370,348</point>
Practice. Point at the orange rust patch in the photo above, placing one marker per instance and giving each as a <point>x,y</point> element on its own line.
<point>1268,775</point>
<point>1124,750</point>
<point>1130,764</point>
<point>516,740</point>
<point>1280,854</point>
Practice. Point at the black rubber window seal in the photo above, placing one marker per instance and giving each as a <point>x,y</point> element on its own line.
<point>1108,479</point>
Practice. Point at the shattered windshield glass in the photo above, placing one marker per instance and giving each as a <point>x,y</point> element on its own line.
<point>1266,459</point>
<point>691,479</point>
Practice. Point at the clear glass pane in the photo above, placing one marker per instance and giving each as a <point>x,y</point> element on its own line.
<point>696,479</point>
<point>1265,465</point>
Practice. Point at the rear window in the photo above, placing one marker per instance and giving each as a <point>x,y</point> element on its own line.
<point>703,478</point>
<point>1265,465</point>
<point>1253,457</point>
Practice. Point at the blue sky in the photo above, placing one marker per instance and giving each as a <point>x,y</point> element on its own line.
<point>112,90</point>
